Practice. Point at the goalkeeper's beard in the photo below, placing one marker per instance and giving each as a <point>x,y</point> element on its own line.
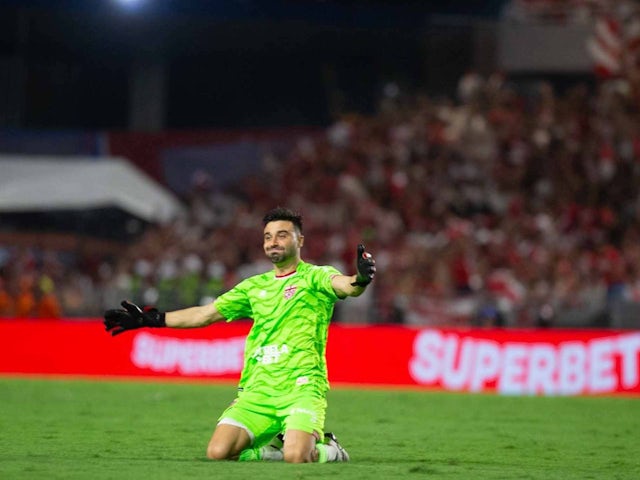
<point>279,256</point>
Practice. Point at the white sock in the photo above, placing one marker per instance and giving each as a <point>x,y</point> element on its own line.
<point>332,452</point>
<point>271,453</point>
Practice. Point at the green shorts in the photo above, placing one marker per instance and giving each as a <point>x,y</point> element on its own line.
<point>265,416</point>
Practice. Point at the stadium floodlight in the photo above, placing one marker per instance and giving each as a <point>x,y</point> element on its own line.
<point>129,3</point>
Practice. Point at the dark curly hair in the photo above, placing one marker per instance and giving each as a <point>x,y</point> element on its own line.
<point>281,213</point>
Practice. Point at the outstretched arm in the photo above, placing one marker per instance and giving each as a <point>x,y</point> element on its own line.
<point>354,285</point>
<point>343,286</point>
<point>131,317</point>
<point>193,317</point>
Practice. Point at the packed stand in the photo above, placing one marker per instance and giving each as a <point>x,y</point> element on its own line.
<point>502,208</point>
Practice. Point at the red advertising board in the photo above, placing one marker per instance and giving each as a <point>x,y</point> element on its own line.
<point>511,362</point>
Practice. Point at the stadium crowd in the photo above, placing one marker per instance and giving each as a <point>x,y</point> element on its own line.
<point>505,206</point>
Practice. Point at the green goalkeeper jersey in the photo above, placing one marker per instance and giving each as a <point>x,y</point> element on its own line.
<point>286,345</point>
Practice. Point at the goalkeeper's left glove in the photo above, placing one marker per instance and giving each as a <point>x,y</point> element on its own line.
<point>131,317</point>
<point>366,266</point>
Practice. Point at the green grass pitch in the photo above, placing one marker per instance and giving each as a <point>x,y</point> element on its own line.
<point>79,429</point>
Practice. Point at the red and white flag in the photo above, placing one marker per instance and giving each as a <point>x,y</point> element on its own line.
<point>606,47</point>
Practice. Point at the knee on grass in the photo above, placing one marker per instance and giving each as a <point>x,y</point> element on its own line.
<point>218,452</point>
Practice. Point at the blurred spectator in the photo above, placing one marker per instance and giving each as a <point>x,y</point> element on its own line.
<point>7,302</point>
<point>48,305</point>
<point>26,300</point>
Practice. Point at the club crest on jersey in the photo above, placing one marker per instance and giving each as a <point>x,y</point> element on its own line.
<point>290,291</point>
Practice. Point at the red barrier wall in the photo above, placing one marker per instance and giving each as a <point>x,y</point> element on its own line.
<point>514,362</point>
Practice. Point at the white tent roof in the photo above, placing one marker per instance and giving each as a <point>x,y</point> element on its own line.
<point>29,183</point>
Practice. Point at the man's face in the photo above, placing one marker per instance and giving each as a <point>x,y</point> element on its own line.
<point>281,241</point>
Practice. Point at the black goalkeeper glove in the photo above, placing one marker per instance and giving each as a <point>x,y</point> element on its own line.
<point>130,317</point>
<point>366,266</point>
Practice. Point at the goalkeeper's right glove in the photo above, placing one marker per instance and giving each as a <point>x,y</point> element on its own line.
<point>131,317</point>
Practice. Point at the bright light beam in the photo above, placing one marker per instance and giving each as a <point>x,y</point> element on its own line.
<point>129,3</point>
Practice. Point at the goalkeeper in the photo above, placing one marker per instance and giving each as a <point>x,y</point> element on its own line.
<point>284,380</point>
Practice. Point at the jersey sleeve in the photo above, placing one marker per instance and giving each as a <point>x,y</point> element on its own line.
<point>321,278</point>
<point>234,304</point>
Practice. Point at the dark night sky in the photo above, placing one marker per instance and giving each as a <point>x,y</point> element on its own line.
<point>233,63</point>
<point>234,9</point>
